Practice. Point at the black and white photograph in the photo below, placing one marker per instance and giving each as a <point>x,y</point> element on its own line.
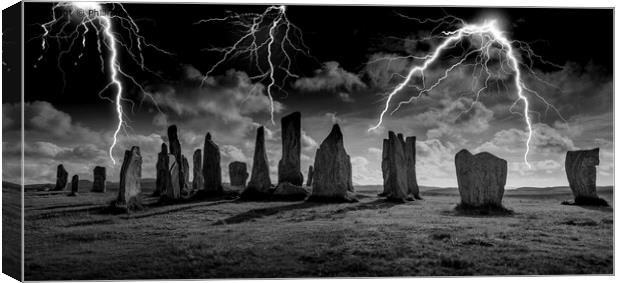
<point>285,140</point>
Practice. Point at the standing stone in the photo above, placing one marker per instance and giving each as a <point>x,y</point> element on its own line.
<point>260,181</point>
<point>238,173</point>
<point>99,176</point>
<point>129,185</point>
<point>412,182</point>
<point>62,177</point>
<point>173,188</point>
<point>385,167</point>
<point>198,182</point>
<point>289,168</point>
<point>395,181</point>
<point>175,149</point>
<point>185,167</point>
<point>481,178</point>
<point>163,176</point>
<point>310,172</point>
<point>75,184</point>
<point>332,180</point>
<point>580,168</point>
<point>211,170</point>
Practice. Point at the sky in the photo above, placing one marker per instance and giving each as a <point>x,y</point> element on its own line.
<point>355,57</point>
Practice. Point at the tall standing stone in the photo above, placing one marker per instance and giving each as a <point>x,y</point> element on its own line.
<point>173,187</point>
<point>410,155</point>
<point>395,168</point>
<point>198,182</point>
<point>175,149</point>
<point>130,177</point>
<point>289,168</point>
<point>385,167</point>
<point>99,177</point>
<point>75,185</point>
<point>238,172</point>
<point>163,176</point>
<point>481,178</point>
<point>580,168</point>
<point>332,180</point>
<point>260,181</point>
<point>62,177</point>
<point>310,176</point>
<point>185,168</point>
<point>211,170</point>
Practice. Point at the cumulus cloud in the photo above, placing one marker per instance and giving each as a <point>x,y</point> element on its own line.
<point>366,172</point>
<point>545,139</point>
<point>333,78</point>
<point>42,119</point>
<point>455,117</point>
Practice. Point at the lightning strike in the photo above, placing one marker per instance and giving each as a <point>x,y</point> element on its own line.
<point>490,38</point>
<point>270,32</point>
<point>72,21</point>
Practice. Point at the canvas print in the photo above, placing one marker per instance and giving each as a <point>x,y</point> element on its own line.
<point>205,141</point>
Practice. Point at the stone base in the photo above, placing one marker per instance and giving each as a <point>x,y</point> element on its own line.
<point>587,201</point>
<point>289,191</point>
<point>251,194</point>
<point>400,200</point>
<point>347,198</point>
<point>117,207</point>
<point>488,209</point>
<point>72,194</point>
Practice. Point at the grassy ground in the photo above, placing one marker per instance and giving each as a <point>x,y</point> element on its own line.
<point>11,230</point>
<point>69,238</point>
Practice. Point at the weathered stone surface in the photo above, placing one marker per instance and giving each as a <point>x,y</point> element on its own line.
<point>410,154</point>
<point>332,180</point>
<point>75,185</point>
<point>198,182</point>
<point>173,188</point>
<point>163,176</point>
<point>289,168</point>
<point>238,172</point>
<point>395,181</point>
<point>398,168</point>
<point>385,167</point>
<point>211,170</point>
<point>260,181</point>
<point>99,176</point>
<point>62,177</point>
<point>185,168</point>
<point>175,149</point>
<point>481,178</point>
<point>287,190</point>
<point>130,177</point>
<point>310,173</point>
<point>580,168</point>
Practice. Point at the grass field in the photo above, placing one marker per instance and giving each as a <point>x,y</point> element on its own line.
<point>70,238</point>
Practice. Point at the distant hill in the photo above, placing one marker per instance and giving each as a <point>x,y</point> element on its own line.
<point>11,186</point>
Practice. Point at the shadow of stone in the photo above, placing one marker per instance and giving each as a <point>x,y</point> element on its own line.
<point>376,204</point>
<point>602,208</point>
<point>479,211</point>
<point>191,205</point>
<point>587,202</point>
<point>263,212</point>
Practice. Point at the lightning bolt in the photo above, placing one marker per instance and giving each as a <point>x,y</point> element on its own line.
<point>74,22</point>
<point>490,38</point>
<point>268,32</point>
